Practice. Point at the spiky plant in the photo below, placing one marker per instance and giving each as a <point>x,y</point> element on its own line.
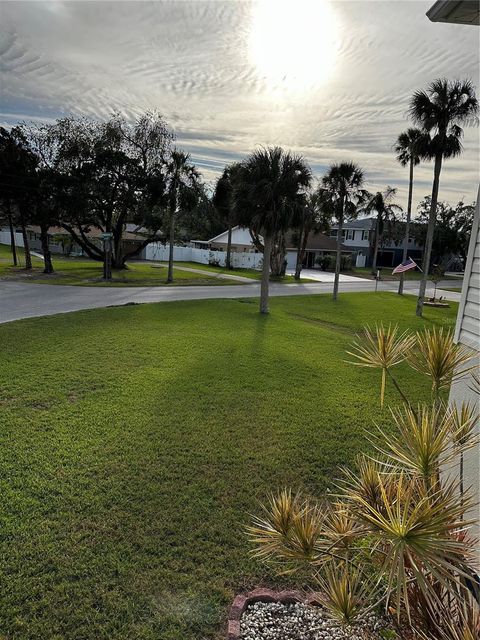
<point>382,348</point>
<point>289,532</point>
<point>475,386</point>
<point>423,443</point>
<point>414,534</point>
<point>398,524</point>
<point>437,356</point>
<point>346,592</point>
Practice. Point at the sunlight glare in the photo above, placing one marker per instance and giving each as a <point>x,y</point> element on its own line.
<point>293,43</point>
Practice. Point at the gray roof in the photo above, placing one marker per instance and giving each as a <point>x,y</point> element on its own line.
<point>361,223</point>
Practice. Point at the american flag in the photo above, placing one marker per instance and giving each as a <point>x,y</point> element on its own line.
<point>405,266</point>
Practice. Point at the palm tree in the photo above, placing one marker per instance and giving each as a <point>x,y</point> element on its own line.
<point>270,185</point>
<point>381,203</point>
<point>341,189</point>
<point>408,147</point>
<point>183,180</point>
<point>308,218</point>
<point>440,111</point>
<point>223,203</point>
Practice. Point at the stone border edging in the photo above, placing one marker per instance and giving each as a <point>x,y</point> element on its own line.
<point>242,601</point>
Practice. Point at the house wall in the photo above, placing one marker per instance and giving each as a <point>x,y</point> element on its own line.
<point>467,333</point>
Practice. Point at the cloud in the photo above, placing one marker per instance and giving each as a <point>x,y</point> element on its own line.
<point>191,61</point>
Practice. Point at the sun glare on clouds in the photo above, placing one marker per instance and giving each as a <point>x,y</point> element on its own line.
<point>293,44</point>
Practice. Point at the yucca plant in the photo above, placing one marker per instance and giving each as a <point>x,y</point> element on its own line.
<point>382,348</point>
<point>347,592</point>
<point>437,356</point>
<point>424,441</point>
<point>397,532</point>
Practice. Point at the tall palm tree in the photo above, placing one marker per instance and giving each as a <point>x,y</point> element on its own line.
<point>223,203</point>
<point>340,191</point>
<point>183,180</point>
<point>380,203</point>
<point>440,111</point>
<point>270,185</point>
<point>408,147</point>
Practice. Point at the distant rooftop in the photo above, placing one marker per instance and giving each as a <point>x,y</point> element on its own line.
<point>360,223</point>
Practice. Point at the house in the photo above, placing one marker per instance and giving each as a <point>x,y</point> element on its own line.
<point>359,236</point>
<point>318,246</point>
<point>467,329</point>
<point>60,240</point>
<point>241,241</point>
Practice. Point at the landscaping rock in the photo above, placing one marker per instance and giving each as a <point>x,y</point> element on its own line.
<point>299,621</point>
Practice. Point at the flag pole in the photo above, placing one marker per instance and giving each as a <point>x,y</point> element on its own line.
<point>415,264</point>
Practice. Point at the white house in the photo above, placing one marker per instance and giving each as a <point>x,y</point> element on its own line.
<point>467,330</point>
<point>241,241</point>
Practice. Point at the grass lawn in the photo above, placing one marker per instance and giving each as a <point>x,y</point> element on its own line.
<point>254,274</point>
<point>386,274</point>
<point>84,272</point>
<point>457,289</point>
<point>135,441</point>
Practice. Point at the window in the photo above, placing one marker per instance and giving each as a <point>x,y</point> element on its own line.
<point>365,234</point>
<point>333,233</point>
<point>350,234</point>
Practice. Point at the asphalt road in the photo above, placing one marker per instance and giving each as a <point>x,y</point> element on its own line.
<point>22,300</point>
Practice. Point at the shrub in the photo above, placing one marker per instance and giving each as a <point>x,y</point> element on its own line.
<point>397,535</point>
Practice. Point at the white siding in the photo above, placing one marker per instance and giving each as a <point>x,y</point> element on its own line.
<point>468,321</point>
<point>467,332</point>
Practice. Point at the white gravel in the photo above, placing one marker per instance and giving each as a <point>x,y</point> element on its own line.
<point>277,621</point>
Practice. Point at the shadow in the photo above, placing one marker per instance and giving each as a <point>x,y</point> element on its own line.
<point>259,333</point>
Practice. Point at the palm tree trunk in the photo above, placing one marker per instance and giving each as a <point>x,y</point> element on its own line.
<point>228,259</point>
<point>407,226</point>
<point>173,210</point>
<point>430,230</point>
<point>13,248</point>
<point>171,247</point>
<point>47,256</point>
<point>267,252</point>
<point>302,243</point>
<point>339,255</point>
<point>375,249</point>
<point>26,247</point>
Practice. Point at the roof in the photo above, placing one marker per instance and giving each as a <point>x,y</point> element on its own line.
<point>222,234</point>
<point>455,11</point>
<point>316,242</point>
<point>94,232</point>
<point>360,223</point>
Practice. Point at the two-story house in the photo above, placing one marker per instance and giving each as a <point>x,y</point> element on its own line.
<point>359,236</point>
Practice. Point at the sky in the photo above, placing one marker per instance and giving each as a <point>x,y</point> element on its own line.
<point>330,80</point>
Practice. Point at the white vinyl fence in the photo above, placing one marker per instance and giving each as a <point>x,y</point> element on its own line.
<point>5,238</point>
<point>159,251</point>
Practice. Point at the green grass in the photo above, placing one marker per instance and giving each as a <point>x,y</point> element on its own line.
<point>386,274</point>
<point>457,289</point>
<point>135,442</point>
<point>84,272</point>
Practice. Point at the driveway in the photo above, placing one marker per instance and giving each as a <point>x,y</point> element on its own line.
<point>325,276</point>
<point>22,300</point>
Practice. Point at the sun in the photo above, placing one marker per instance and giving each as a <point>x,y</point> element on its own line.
<point>293,43</point>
